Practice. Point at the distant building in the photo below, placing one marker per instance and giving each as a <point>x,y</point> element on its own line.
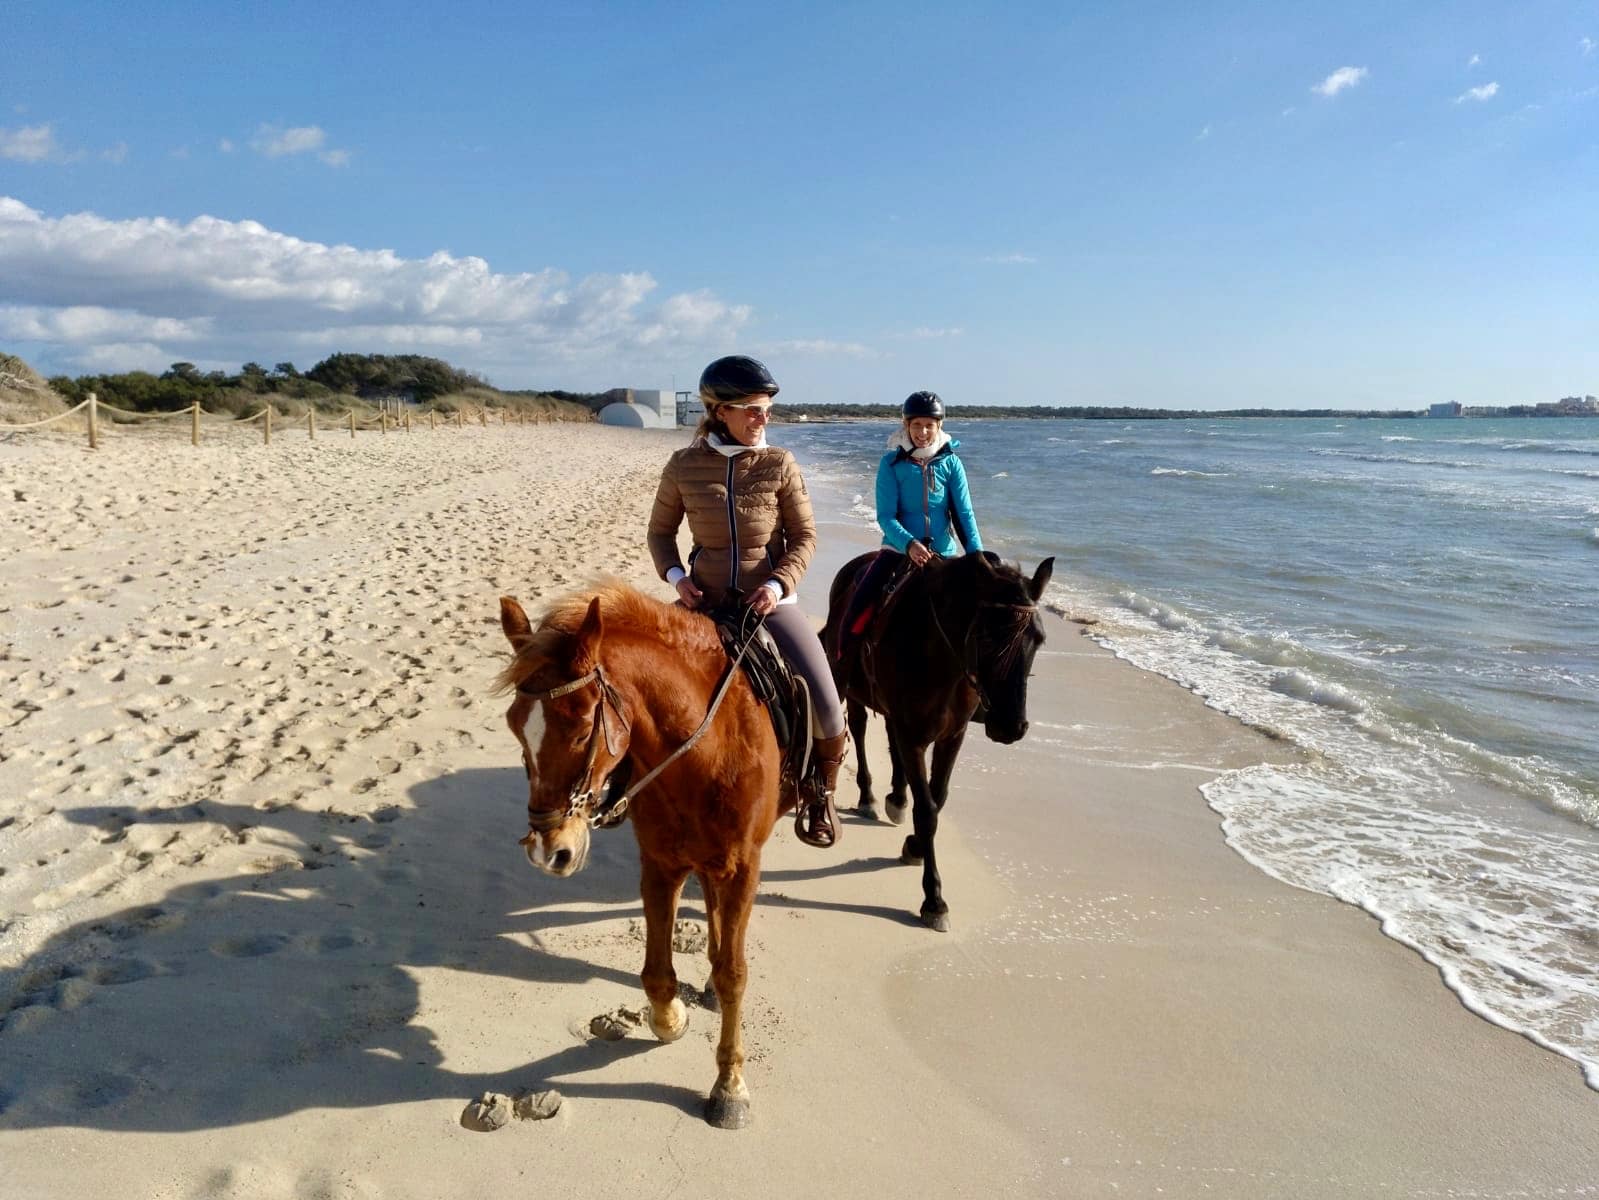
<point>689,408</point>
<point>640,408</point>
<point>1449,408</point>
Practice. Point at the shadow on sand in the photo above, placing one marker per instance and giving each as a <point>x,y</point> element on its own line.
<point>295,986</point>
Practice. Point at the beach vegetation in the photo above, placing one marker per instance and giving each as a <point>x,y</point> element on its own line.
<point>334,385</point>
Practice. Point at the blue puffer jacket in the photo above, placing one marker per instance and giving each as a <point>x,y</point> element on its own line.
<point>917,498</point>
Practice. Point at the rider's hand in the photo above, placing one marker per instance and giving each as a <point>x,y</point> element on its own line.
<point>688,593</point>
<point>762,601</point>
<point>919,553</point>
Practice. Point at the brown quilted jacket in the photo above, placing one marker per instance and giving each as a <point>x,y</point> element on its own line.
<point>749,517</point>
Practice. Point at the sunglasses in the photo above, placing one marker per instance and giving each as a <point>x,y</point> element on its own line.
<point>762,410</point>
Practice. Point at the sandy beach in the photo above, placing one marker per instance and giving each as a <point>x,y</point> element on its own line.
<point>265,929</point>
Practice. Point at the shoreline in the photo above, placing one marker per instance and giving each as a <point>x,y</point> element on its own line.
<point>332,943</point>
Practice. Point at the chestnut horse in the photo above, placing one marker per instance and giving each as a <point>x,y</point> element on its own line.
<point>958,630</point>
<point>615,684</point>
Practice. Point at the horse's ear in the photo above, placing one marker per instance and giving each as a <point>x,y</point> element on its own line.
<point>1041,578</point>
<point>514,621</point>
<point>586,651</point>
<point>986,561</point>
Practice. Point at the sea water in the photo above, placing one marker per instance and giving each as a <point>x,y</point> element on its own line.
<point>1411,601</point>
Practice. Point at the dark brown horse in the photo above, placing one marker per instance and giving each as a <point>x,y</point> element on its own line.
<point>608,688</point>
<point>958,631</point>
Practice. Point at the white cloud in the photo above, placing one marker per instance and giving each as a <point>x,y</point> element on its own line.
<point>1343,77</point>
<point>91,323</point>
<point>925,334</point>
<point>1010,259</point>
<point>1587,45</point>
<point>1486,92</point>
<point>1474,60</point>
<point>1289,111</point>
<point>116,154</point>
<point>273,141</point>
<point>819,347</point>
<point>226,146</point>
<point>234,290</point>
<point>1202,134</point>
<point>30,143</point>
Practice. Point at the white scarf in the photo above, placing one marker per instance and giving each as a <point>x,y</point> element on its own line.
<point>900,440</point>
<point>730,449</point>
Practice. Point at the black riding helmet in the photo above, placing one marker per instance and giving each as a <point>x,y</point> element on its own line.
<point>923,404</point>
<point>728,380</point>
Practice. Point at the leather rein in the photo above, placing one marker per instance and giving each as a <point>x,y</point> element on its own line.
<point>581,799</point>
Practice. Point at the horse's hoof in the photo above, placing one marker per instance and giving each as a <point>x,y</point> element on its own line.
<point>709,1000</point>
<point>726,1111</point>
<point>938,922</point>
<point>866,812</point>
<point>674,1025</point>
<point>896,812</point>
<point>910,853</point>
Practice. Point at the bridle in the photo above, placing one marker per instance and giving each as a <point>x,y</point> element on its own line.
<point>580,801</point>
<point>964,656</point>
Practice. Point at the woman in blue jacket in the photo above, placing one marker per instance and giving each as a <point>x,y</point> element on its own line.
<point>923,505</point>
<point>923,502</point>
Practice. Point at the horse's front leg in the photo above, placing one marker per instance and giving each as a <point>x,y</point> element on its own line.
<point>660,890</point>
<point>728,1106</point>
<point>858,715</point>
<point>897,800</point>
<point>713,938</point>
<point>945,751</point>
<point>924,821</point>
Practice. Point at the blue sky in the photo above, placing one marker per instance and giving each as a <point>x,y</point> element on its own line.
<point>1214,205</point>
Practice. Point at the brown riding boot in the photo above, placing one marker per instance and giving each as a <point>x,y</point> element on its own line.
<point>815,818</point>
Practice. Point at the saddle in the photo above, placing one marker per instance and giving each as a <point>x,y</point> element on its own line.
<point>784,694</point>
<point>871,600</point>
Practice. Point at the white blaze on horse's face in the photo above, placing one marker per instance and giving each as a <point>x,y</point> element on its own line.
<point>563,850</point>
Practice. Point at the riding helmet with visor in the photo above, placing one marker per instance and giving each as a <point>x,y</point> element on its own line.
<point>923,404</point>
<point>729,380</point>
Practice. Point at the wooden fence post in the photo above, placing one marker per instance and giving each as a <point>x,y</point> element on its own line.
<point>383,418</point>
<point>194,424</point>
<point>352,422</point>
<point>407,420</point>
<point>432,423</point>
<point>266,427</point>
<point>458,418</point>
<point>94,431</point>
<point>483,417</point>
<point>310,422</point>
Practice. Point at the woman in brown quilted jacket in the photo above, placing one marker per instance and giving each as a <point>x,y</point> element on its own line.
<point>750,519</point>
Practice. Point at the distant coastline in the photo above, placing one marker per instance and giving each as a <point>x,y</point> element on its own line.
<point>976,412</point>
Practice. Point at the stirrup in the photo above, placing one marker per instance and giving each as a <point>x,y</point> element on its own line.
<point>811,833</point>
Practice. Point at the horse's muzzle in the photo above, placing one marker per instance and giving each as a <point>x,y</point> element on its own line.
<point>1005,734</point>
<point>561,852</point>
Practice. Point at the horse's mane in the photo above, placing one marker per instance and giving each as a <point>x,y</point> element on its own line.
<point>624,610</point>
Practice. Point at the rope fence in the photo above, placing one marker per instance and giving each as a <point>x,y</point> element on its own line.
<point>382,422</point>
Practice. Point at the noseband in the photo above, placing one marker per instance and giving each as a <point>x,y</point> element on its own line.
<point>580,803</point>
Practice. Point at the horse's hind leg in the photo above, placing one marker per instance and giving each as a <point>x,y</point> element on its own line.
<point>660,890</point>
<point>863,774</point>
<point>728,1106</point>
